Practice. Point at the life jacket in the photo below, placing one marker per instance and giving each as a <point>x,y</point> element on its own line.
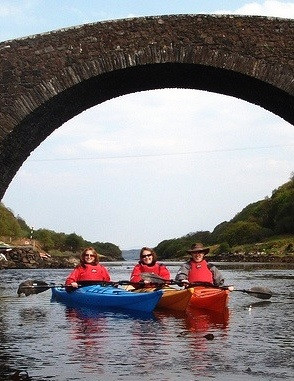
<point>200,272</point>
<point>89,272</point>
<point>155,269</point>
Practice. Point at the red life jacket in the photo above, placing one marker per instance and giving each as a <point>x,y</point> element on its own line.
<point>89,272</point>
<point>157,268</point>
<point>200,272</point>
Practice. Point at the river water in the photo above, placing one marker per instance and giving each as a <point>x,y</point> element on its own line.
<point>44,340</point>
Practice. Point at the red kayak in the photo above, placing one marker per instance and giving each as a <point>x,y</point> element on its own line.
<point>209,298</point>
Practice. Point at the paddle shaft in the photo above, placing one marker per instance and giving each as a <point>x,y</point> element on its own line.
<point>29,287</point>
<point>258,292</point>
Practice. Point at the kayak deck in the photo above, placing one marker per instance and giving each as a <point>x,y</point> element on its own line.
<point>172,298</point>
<point>215,299</point>
<point>98,296</point>
<point>175,299</point>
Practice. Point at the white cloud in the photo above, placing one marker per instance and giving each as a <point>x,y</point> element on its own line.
<point>270,8</point>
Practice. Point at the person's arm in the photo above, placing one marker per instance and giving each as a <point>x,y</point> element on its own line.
<point>164,272</point>
<point>183,272</point>
<point>218,279</point>
<point>136,274</point>
<point>73,277</point>
<point>105,274</point>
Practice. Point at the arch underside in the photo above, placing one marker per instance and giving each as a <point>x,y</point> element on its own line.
<point>36,127</point>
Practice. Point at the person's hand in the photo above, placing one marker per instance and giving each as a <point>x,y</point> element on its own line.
<point>185,283</point>
<point>74,284</point>
<point>146,281</point>
<point>231,288</point>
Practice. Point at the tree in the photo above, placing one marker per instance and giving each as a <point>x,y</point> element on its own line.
<point>224,247</point>
<point>44,236</point>
<point>74,242</point>
<point>9,225</point>
<point>244,232</point>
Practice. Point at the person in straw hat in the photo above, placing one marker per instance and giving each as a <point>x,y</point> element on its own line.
<point>197,269</point>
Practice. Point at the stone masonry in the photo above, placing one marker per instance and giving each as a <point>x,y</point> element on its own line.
<point>47,79</point>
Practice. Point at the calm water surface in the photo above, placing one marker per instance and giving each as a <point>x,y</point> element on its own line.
<point>44,340</point>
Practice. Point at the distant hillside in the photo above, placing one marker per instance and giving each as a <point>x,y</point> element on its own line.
<point>257,222</point>
<point>131,255</point>
<point>13,229</point>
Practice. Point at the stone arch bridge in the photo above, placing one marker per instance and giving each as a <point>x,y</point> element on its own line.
<point>47,79</point>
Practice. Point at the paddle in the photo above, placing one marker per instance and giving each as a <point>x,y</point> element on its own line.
<point>30,286</point>
<point>257,292</point>
<point>156,279</point>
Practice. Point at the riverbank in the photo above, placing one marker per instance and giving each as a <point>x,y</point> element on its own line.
<point>30,258</point>
<point>27,257</point>
<point>251,257</point>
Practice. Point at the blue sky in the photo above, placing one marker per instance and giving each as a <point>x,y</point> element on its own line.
<point>148,166</point>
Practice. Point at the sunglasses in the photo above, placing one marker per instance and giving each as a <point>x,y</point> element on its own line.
<point>146,255</point>
<point>89,255</point>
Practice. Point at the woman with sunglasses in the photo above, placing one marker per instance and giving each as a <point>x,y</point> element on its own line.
<point>88,269</point>
<point>148,264</point>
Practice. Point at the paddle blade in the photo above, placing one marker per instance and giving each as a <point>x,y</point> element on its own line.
<point>30,287</point>
<point>153,278</point>
<point>260,292</point>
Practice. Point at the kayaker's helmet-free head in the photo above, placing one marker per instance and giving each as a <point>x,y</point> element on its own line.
<point>147,252</point>
<point>198,248</point>
<point>91,252</point>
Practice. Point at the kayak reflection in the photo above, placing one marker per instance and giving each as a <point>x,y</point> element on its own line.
<point>104,313</point>
<point>201,320</point>
<point>197,320</point>
<point>91,332</point>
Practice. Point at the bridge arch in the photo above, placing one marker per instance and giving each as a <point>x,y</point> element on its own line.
<point>47,79</point>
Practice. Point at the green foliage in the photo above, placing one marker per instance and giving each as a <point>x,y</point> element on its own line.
<point>243,232</point>
<point>176,248</point>
<point>224,247</point>
<point>9,226</point>
<point>24,227</point>
<point>45,238</point>
<point>255,223</point>
<point>73,242</point>
<point>59,244</point>
<point>107,249</point>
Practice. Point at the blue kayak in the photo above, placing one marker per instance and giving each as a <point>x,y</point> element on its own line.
<point>107,297</point>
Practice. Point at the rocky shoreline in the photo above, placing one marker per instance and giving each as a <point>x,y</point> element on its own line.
<point>28,257</point>
<point>251,257</point>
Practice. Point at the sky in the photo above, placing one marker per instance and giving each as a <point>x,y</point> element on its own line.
<point>148,166</point>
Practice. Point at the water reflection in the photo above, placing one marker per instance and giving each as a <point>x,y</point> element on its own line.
<point>100,313</point>
<point>88,335</point>
<point>44,340</point>
<point>197,320</point>
<point>263,303</point>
